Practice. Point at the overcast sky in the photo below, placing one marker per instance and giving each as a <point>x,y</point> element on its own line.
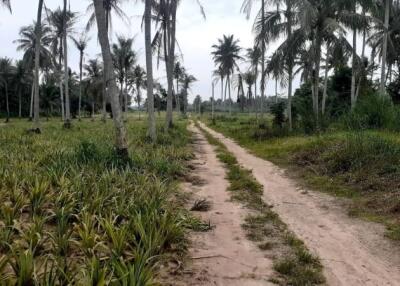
<point>195,35</point>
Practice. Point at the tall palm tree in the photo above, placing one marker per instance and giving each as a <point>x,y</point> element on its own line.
<point>124,59</point>
<point>110,7</point>
<point>81,45</point>
<point>21,78</point>
<point>254,58</point>
<point>138,79</point>
<point>38,32</point>
<point>385,47</point>
<point>67,123</point>
<point>121,135</point>
<point>27,44</point>
<point>179,71</point>
<point>226,54</point>
<point>186,82</point>
<point>94,76</point>
<point>6,71</point>
<point>56,19</point>
<point>149,68</point>
<point>246,8</point>
<point>219,75</point>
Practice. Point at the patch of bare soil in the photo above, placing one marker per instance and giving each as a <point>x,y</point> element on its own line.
<point>353,252</point>
<point>222,256</point>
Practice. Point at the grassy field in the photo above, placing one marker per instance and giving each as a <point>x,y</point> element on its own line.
<point>361,165</point>
<point>72,213</point>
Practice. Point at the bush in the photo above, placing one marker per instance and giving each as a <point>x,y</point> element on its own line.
<point>372,112</point>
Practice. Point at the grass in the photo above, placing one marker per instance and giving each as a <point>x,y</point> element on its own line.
<point>294,264</point>
<point>362,166</point>
<point>72,213</point>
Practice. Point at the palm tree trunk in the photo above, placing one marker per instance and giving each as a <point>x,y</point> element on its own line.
<point>67,123</point>
<point>31,104</point>
<point>178,100</point>
<point>19,102</point>
<point>126,92</point>
<point>317,47</point>
<point>60,80</point>
<point>37,66</point>
<point>149,67</point>
<point>212,102</point>
<point>263,48</point>
<point>364,43</point>
<point>121,135</point>
<point>7,104</point>
<point>384,49</point>
<point>229,93</point>
<point>354,68</point>
<point>255,91</point>
<point>325,94</point>
<point>171,59</point>
<point>80,84</point>
<point>290,64</point>
<point>222,93</point>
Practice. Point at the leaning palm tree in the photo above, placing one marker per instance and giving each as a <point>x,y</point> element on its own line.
<point>149,68</point>
<point>121,135</point>
<point>81,45</point>
<point>226,54</point>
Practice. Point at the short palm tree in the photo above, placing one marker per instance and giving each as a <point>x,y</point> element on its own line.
<point>186,82</point>
<point>179,72</point>
<point>94,76</point>
<point>137,76</point>
<point>226,54</point>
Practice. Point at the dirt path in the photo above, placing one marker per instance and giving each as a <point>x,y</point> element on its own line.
<point>353,252</point>
<point>222,256</point>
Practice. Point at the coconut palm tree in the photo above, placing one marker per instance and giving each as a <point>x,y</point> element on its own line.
<point>246,8</point>
<point>179,71</point>
<point>121,135</point>
<point>38,33</point>
<point>94,76</point>
<point>254,58</point>
<point>219,75</point>
<point>124,59</point>
<point>21,78</point>
<point>27,44</point>
<point>186,82</point>
<point>81,45</point>
<point>226,54</point>
<point>6,71</point>
<point>149,68</point>
<point>138,79</point>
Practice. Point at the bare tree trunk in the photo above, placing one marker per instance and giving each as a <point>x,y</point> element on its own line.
<point>222,94</point>
<point>255,91</point>
<point>38,33</point>
<point>317,48</point>
<point>67,123</point>
<point>364,43</point>
<point>384,48</point>
<point>229,93</point>
<point>121,135</point>
<point>149,66</point>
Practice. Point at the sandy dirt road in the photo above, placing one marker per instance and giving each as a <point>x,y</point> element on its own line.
<point>222,256</point>
<point>353,252</point>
